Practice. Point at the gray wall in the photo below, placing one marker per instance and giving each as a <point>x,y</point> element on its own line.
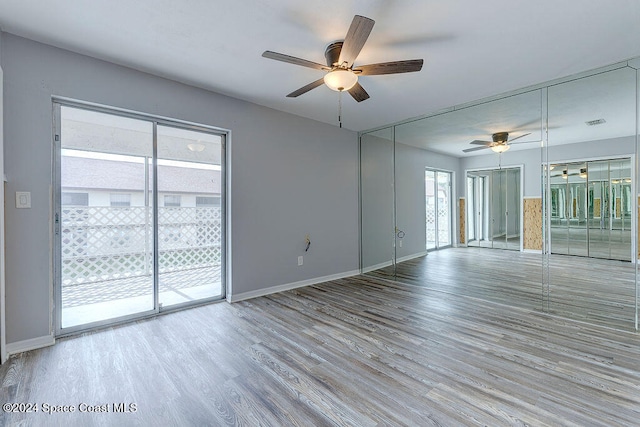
<point>377,200</point>
<point>290,176</point>
<point>378,174</point>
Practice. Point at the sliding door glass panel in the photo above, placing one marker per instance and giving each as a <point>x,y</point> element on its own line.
<point>513,213</point>
<point>576,209</point>
<point>483,217</point>
<point>559,209</point>
<point>444,208</point>
<point>478,215</point>
<point>438,209</point>
<point>599,209</point>
<point>378,233</point>
<point>620,212</point>
<point>499,209</point>
<point>431,197</point>
<point>593,119</point>
<point>470,216</point>
<point>105,222</point>
<point>190,216</point>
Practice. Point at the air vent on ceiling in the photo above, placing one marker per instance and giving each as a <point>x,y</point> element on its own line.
<point>595,122</point>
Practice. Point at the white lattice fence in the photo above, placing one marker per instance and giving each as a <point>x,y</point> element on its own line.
<point>431,225</point>
<point>104,243</point>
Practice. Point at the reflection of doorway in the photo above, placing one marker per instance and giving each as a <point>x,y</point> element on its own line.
<point>591,209</point>
<point>437,185</point>
<point>493,214</point>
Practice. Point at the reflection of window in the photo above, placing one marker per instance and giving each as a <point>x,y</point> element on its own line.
<point>207,201</point>
<point>172,201</point>
<point>120,200</point>
<point>75,199</point>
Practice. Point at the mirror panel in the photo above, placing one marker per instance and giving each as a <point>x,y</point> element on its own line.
<point>550,237</point>
<point>377,202</point>
<point>591,142</point>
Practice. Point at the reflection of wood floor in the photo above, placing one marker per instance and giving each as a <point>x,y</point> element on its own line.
<point>594,290</point>
<point>595,243</point>
<point>359,351</point>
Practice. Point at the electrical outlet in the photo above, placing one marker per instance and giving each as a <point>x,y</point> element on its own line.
<point>300,260</point>
<point>400,242</point>
<point>23,200</point>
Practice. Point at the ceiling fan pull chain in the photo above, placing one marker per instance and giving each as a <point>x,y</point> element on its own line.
<point>340,108</point>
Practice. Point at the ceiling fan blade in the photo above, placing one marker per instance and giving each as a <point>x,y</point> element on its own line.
<point>393,67</point>
<point>293,60</point>
<point>354,40</point>
<point>468,150</point>
<point>478,142</point>
<point>518,137</point>
<point>307,88</point>
<point>358,93</point>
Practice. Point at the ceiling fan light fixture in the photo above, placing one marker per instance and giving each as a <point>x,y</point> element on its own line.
<point>583,173</point>
<point>196,147</point>
<point>500,148</point>
<point>340,79</point>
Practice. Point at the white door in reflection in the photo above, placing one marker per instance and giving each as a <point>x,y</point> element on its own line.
<point>437,185</point>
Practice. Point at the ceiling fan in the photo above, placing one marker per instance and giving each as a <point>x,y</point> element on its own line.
<point>500,142</point>
<point>340,56</point>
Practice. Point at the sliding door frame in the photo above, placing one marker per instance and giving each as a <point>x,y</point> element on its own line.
<point>520,167</point>
<point>436,171</point>
<point>634,213</point>
<point>56,207</point>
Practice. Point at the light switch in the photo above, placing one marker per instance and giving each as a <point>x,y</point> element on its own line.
<point>23,200</point>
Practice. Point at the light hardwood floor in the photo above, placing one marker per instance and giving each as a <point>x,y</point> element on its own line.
<point>593,290</point>
<point>360,351</point>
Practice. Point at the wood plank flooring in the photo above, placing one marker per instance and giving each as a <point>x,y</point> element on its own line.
<point>360,351</point>
<point>593,290</point>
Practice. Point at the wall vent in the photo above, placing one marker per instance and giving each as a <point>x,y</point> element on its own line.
<point>595,122</point>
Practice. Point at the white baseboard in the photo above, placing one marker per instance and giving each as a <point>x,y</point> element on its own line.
<point>376,267</point>
<point>30,344</point>
<point>412,256</point>
<point>533,251</point>
<point>389,263</point>
<point>288,286</point>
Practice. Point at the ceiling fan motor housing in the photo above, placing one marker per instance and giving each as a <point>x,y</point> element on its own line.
<point>500,137</point>
<point>332,53</point>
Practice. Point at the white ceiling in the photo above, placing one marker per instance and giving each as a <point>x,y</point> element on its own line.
<point>472,49</point>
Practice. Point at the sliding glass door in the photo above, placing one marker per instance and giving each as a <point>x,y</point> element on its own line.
<point>438,208</point>
<point>189,215</point>
<point>139,218</point>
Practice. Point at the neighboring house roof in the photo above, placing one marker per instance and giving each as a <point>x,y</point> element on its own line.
<point>95,174</point>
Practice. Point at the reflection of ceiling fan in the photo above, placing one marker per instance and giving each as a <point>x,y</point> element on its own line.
<point>340,56</point>
<point>565,174</point>
<point>500,143</point>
